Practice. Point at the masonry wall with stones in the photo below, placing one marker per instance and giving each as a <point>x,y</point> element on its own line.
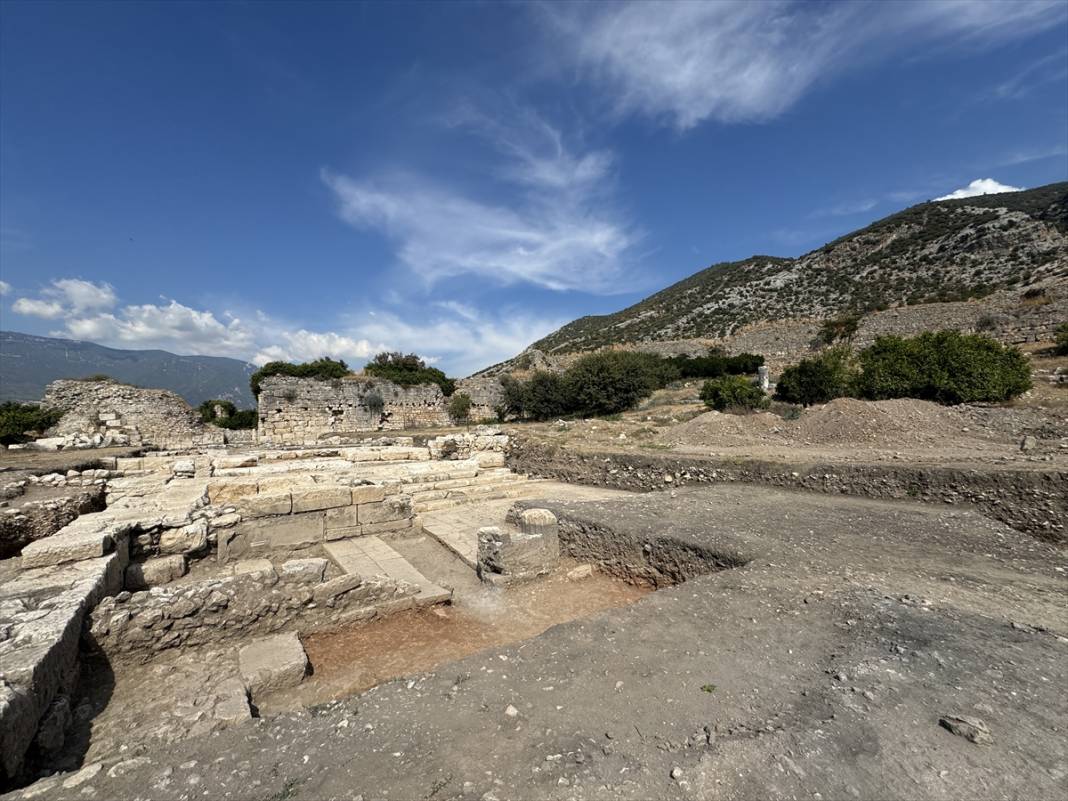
<point>234,607</point>
<point>485,393</point>
<point>297,411</point>
<point>107,412</point>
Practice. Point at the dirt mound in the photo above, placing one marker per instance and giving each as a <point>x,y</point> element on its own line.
<point>842,422</point>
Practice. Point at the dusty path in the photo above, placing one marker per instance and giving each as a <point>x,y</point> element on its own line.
<point>820,669</point>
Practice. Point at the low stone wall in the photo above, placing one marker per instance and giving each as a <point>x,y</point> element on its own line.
<point>142,624</point>
<point>36,520</point>
<point>106,412</point>
<point>1034,502</point>
<point>299,411</point>
<point>485,393</point>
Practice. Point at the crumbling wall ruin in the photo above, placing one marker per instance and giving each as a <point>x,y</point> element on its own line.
<point>109,413</point>
<point>298,411</point>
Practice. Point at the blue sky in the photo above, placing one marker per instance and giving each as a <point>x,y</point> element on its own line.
<point>264,180</point>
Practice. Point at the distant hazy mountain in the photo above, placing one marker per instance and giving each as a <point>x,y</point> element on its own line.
<point>29,363</point>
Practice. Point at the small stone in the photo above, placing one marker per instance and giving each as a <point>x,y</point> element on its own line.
<point>676,773</point>
<point>973,730</point>
<point>511,711</point>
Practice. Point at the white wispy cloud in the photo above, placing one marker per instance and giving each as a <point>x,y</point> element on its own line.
<point>1047,69</point>
<point>454,335</point>
<point>35,307</point>
<point>980,186</point>
<point>5,288</point>
<point>847,209</point>
<point>558,228</point>
<point>737,61</point>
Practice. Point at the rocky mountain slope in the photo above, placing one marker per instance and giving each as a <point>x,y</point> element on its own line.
<point>936,251</point>
<point>29,363</point>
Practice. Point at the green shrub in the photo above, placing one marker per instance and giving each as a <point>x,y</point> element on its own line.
<point>613,381</point>
<point>374,403</point>
<point>733,392</point>
<point>322,369</point>
<point>545,395</point>
<point>512,398</point>
<point>817,380</point>
<point>946,367</point>
<point>842,327</point>
<point>1060,340</point>
<point>408,371</point>
<point>715,364</point>
<point>460,406</point>
<point>17,418</point>
<point>207,410</point>
<point>239,420</point>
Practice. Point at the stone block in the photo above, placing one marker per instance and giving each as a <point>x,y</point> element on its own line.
<point>223,493</point>
<point>225,462</point>
<point>257,568</point>
<point>336,586</point>
<point>308,571</point>
<point>290,531</point>
<point>154,572</point>
<point>368,493</point>
<point>393,508</point>
<point>191,539</point>
<point>489,458</point>
<point>265,505</point>
<point>184,468</point>
<point>72,546</point>
<point>516,554</point>
<point>343,517</point>
<point>231,705</point>
<point>538,523</point>
<point>313,499</point>
<point>273,663</point>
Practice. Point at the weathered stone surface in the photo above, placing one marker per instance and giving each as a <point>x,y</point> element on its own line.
<point>283,532</point>
<point>517,554</point>
<point>191,539</point>
<point>538,522</point>
<point>310,500</point>
<point>154,572</point>
<point>309,571</point>
<point>259,568</point>
<point>273,663</point>
<point>71,545</point>
<point>230,491</point>
<point>263,505</point>
<point>393,508</point>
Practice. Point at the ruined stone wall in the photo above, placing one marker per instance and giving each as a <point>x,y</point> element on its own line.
<point>107,412</point>
<point>142,624</point>
<point>485,393</point>
<point>297,411</point>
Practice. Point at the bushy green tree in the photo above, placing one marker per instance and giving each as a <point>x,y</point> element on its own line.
<point>207,409</point>
<point>733,392</point>
<point>817,380</point>
<point>322,369</point>
<point>1060,340</point>
<point>408,370</point>
<point>460,406</point>
<point>613,381</point>
<point>946,367</point>
<point>18,418</point>
<point>239,420</point>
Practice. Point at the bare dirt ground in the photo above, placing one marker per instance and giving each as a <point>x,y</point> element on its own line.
<point>925,662</point>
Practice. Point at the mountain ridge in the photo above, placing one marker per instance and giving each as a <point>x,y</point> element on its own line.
<point>29,362</point>
<point>930,252</point>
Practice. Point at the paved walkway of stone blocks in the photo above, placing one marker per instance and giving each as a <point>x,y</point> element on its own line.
<point>370,556</point>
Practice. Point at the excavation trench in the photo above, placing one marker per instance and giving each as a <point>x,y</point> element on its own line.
<point>125,705</point>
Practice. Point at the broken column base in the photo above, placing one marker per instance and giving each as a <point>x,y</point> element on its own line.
<point>507,556</point>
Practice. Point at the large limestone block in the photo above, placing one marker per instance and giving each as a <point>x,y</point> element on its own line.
<point>368,493</point>
<point>154,572</point>
<point>231,705</point>
<point>290,531</point>
<point>261,569</point>
<point>261,505</point>
<point>223,493</point>
<point>273,663</point>
<point>316,498</point>
<point>345,517</point>
<point>396,507</point>
<point>67,546</point>
<point>189,539</point>
<point>489,459</point>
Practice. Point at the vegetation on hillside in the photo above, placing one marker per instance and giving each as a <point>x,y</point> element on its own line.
<point>733,393</point>
<point>935,251</point>
<point>1060,346</point>
<point>945,367</point>
<point>609,382</point>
